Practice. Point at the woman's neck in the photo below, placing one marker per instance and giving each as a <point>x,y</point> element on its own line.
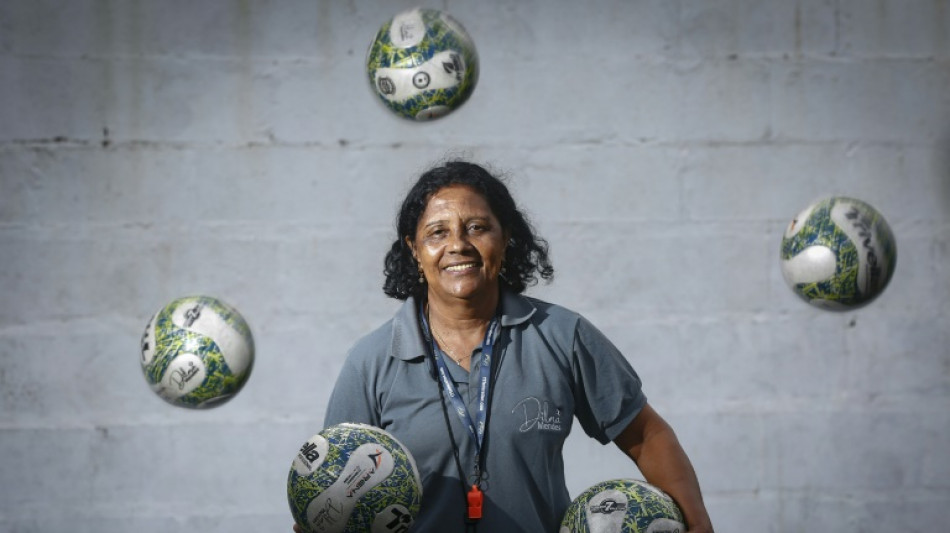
<point>463,315</point>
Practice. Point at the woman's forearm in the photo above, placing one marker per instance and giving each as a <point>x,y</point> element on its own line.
<point>654,447</point>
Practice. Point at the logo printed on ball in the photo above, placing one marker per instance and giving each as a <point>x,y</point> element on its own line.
<point>354,484</point>
<point>192,315</point>
<point>400,522</point>
<point>310,452</point>
<point>863,224</point>
<point>454,67</point>
<point>327,517</point>
<point>609,506</point>
<point>421,80</point>
<point>386,85</point>
<point>311,455</point>
<point>181,376</point>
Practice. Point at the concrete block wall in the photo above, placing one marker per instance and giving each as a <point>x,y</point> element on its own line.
<point>150,150</point>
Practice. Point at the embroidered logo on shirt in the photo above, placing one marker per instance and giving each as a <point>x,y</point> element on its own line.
<point>537,415</point>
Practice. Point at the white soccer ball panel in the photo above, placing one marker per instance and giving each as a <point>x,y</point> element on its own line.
<point>393,518</point>
<point>192,316</point>
<point>328,514</point>
<point>407,29</point>
<point>602,515</point>
<point>811,265</point>
<point>369,465</point>
<point>442,71</point>
<point>411,460</point>
<point>665,525</point>
<point>433,112</point>
<point>311,455</point>
<point>184,374</point>
<point>865,239</point>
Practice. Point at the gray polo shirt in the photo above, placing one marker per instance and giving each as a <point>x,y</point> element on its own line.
<point>554,366</point>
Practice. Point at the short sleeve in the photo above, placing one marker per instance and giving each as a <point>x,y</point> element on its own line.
<point>351,399</point>
<point>607,390</point>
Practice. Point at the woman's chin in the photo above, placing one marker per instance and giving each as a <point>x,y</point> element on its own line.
<point>468,289</point>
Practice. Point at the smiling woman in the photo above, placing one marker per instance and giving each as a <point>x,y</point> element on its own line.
<point>481,383</point>
<point>526,254</point>
<point>460,247</point>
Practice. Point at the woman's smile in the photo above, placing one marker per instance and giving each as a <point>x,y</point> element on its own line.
<point>461,267</point>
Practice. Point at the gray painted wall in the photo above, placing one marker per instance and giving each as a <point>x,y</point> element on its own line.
<point>150,150</point>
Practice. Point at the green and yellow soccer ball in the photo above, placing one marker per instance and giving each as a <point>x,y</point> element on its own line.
<point>422,64</point>
<point>354,478</point>
<point>197,352</point>
<point>838,253</point>
<point>623,506</point>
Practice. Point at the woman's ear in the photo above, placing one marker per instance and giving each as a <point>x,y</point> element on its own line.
<point>412,248</point>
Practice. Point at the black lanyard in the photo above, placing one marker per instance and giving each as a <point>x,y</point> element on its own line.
<point>478,427</point>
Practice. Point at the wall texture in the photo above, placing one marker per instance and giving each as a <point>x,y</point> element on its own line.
<point>153,149</point>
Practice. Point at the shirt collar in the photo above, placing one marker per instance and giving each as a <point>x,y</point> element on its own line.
<point>407,341</point>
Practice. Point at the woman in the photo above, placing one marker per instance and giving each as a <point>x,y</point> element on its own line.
<point>481,383</point>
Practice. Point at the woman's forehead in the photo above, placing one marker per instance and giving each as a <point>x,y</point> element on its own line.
<point>454,197</point>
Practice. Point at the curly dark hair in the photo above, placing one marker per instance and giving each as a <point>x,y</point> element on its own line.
<point>526,254</point>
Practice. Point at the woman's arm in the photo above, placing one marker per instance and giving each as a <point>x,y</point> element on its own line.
<point>653,446</point>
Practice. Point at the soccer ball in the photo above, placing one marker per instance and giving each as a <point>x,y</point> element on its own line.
<point>197,352</point>
<point>354,478</point>
<point>838,253</point>
<point>422,64</point>
<point>623,506</point>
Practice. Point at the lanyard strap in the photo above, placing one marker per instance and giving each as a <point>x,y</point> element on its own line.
<point>476,428</point>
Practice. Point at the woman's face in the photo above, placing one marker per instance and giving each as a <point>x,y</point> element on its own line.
<point>459,243</point>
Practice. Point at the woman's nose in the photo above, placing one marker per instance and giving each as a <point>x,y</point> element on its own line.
<point>459,241</point>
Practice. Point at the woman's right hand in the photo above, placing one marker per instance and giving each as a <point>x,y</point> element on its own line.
<point>298,529</point>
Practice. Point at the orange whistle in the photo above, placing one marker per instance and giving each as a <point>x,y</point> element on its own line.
<point>474,503</point>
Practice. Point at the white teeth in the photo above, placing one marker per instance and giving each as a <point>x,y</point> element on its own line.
<point>457,268</point>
